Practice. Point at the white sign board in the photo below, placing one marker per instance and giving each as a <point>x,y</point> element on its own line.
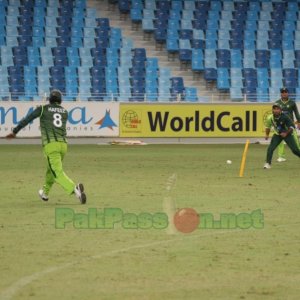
<point>86,119</point>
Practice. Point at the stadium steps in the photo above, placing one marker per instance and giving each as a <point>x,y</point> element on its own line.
<point>206,91</point>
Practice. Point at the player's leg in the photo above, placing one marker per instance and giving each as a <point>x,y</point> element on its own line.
<point>295,135</point>
<point>55,153</point>
<point>281,152</point>
<point>291,142</point>
<point>49,181</point>
<point>79,189</point>
<point>275,141</point>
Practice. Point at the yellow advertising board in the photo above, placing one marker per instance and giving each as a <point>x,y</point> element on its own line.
<point>193,120</point>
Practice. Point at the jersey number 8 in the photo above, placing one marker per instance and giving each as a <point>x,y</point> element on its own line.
<point>57,122</point>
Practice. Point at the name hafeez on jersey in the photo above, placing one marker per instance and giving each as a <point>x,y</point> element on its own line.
<point>56,109</point>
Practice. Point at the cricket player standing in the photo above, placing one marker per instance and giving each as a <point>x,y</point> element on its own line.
<point>53,118</point>
<point>289,107</point>
<point>283,131</point>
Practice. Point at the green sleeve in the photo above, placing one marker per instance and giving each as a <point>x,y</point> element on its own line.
<point>25,121</point>
<point>268,121</point>
<point>296,112</point>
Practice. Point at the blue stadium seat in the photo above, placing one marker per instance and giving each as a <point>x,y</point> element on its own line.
<point>184,44</point>
<point>262,94</point>
<point>124,6</point>
<point>236,58</point>
<point>97,71</point>
<point>228,6</point>
<point>252,15</point>
<point>197,60</point>
<point>71,92</point>
<point>287,45</point>
<point>70,72</point>
<point>237,82</point>
<point>151,93</point>
<point>186,24</point>
<point>136,15</point>
<point>199,23</point>
<point>223,83</point>
<point>190,94</point>
<point>84,81</point>
<point>164,94</point>
<point>150,4</point>
<point>84,92</point>
<point>297,96</point>
<point>236,94</point>
<point>148,13</point>
<point>172,45</point>
<point>210,74</point>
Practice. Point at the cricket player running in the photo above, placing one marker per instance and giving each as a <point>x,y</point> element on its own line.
<point>283,131</point>
<point>289,107</point>
<point>53,119</point>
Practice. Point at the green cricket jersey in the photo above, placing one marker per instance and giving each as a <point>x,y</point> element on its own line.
<point>289,108</point>
<point>53,120</point>
<point>280,124</point>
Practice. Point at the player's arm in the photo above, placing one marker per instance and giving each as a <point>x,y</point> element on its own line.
<point>267,133</point>
<point>25,121</point>
<point>286,133</point>
<point>290,125</point>
<point>268,125</point>
<point>297,115</point>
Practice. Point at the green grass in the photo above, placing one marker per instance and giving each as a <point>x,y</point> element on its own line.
<point>39,261</point>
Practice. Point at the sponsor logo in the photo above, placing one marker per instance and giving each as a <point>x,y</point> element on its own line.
<point>130,119</point>
<point>106,121</point>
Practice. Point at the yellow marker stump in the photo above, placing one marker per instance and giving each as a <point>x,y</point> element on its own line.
<point>242,168</point>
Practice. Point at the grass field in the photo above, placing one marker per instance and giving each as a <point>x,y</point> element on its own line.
<point>39,261</point>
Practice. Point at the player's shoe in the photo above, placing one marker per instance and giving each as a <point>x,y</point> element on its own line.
<point>281,159</point>
<point>43,196</point>
<point>267,166</point>
<point>80,194</point>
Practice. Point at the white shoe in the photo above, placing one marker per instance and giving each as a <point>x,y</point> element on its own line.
<point>281,159</point>
<point>79,192</point>
<point>43,196</point>
<point>267,166</point>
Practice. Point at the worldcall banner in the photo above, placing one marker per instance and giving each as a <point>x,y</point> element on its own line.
<point>89,119</point>
<point>193,120</point>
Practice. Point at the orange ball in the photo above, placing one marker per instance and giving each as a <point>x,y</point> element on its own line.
<point>186,220</point>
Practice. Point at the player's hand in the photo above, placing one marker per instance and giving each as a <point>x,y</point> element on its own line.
<point>298,125</point>
<point>11,136</point>
<point>283,134</point>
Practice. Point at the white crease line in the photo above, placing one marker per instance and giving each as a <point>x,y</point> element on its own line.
<point>9,292</point>
<point>169,204</point>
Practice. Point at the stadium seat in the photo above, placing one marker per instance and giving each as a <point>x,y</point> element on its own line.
<point>210,74</point>
<point>197,60</point>
<point>190,94</point>
<point>236,94</point>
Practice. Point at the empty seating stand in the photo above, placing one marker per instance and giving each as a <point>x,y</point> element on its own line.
<point>261,35</point>
<point>64,45</point>
<point>211,38</point>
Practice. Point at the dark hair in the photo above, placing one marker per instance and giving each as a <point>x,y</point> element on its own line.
<point>276,105</point>
<point>55,97</point>
<point>284,90</point>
